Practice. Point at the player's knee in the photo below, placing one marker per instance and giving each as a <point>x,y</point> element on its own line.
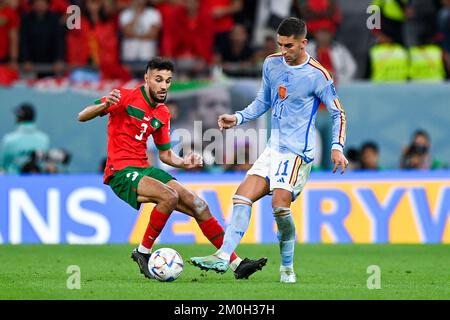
<point>200,207</point>
<point>281,200</point>
<point>201,210</point>
<point>277,203</point>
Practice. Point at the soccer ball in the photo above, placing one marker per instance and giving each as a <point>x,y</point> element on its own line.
<point>165,264</point>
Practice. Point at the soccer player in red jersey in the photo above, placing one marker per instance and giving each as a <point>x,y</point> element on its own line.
<point>134,115</point>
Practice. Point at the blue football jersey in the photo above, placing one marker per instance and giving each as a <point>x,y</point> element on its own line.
<point>294,94</point>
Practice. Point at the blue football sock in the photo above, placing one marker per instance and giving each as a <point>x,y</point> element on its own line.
<point>286,236</point>
<point>240,220</point>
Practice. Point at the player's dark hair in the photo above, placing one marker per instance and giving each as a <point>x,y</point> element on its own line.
<point>158,63</point>
<point>292,27</point>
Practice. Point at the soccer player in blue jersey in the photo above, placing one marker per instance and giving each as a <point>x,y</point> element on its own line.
<point>293,85</point>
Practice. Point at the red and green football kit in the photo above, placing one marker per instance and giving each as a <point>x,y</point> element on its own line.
<point>131,122</point>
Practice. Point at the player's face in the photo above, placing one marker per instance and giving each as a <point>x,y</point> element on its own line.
<point>291,48</point>
<point>158,82</point>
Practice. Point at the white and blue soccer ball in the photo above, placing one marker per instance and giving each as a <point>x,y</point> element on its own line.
<point>165,264</point>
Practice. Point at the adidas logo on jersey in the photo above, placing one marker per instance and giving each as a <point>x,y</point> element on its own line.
<point>281,180</point>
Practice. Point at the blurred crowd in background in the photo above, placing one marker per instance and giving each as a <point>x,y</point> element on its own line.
<point>113,39</point>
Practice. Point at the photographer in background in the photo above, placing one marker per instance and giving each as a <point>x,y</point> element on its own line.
<point>16,147</point>
<point>417,154</point>
<point>52,161</point>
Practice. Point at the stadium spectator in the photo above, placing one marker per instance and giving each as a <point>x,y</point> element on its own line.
<point>417,154</point>
<point>172,15</point>
<point>333,55</point>
<point>140,26</point>
<point>393,17</point>
<point>369,156</point>
<point>17,147</point>
<point>353,157</point>
<point>123,4</point>
<point>52,161</point>
<point>222,12</point>
<point>96,43</point>
<point>238,54</point>
<point>268,14</point>
<point>246,16</point>
<point>41,40</point>
<point>196,46</point>
<point>9,41</point>
<point>187,35</point>
<point>388,61</point>
<point>319,14</point>
<point>111,7</point>
<point>269,47</point>
<point>444,29</point>
<point>426,63</point>
<point>58,6</point>
<point>421,21</point>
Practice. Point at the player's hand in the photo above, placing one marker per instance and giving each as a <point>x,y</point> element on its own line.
<point>193,160</point>
<point>112,98</point>
<point>226,121</point>
<point>339,160</point>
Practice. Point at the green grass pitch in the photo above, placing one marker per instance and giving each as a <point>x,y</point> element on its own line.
<point>324,272</point>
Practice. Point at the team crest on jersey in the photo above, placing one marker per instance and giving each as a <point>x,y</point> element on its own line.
<point>155,123</point>
<point>282,91</point>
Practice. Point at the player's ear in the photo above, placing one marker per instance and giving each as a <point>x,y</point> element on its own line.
<point>304,42</point>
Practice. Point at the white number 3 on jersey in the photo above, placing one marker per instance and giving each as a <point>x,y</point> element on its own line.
<point>144,129</point>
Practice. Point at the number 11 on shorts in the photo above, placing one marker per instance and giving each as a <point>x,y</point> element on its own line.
<point>284,173</point>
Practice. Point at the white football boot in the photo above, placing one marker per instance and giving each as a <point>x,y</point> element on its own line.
<point>287,275</point>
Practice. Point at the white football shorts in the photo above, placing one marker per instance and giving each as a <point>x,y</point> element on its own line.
<point>286,171</point>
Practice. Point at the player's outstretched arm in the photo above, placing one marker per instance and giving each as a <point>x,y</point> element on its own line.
<point>227,121</point>
<point>190,161</point>
<point>93,111</point>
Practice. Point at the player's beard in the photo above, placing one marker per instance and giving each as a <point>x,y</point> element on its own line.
<point>155,98</point>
